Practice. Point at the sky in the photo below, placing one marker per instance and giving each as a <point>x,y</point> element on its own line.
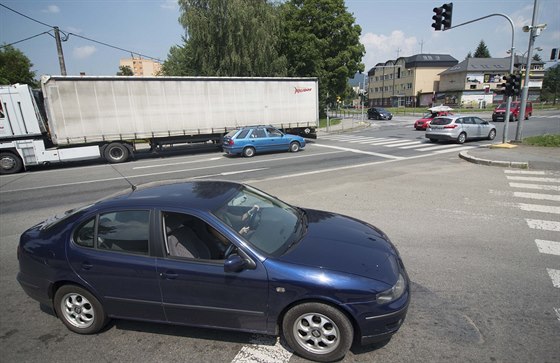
<point>390,29</point>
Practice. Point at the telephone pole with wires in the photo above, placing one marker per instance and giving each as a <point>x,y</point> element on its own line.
<point>59,51</point>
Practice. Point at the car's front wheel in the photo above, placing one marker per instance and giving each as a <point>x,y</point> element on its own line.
<point>79,310</point>
<point>318,331</point>
<point>492,134</point>
<point>294,146</point>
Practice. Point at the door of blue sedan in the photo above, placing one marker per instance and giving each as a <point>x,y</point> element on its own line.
<point>196,288</point>
<point>277,139</point>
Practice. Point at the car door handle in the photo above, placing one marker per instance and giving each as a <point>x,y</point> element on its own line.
<point>168,275</point>
<point>86,266</point>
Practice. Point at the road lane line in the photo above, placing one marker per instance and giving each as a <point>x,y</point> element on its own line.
<point>534,186</point>
<point>557,311</point>
<point>539,208</point>
<point>543,225</point>
<point>437,147</point>
<point>555,276</point>
<point>533,179</point>
<point>177,163</point>
<point>527,172</point>
<point>386,156</point>
<point>413,146</point>
<point>452,150</point>
<point>548,247</point>
<point>539,196</point>
<point>405,143</point>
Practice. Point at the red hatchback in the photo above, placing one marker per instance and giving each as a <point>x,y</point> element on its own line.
<point>424,122</point>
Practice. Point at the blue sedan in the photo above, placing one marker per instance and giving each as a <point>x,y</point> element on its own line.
<point>223,255</point>
<point>249,140</point>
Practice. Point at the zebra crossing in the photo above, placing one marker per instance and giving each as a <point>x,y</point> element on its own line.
<point>540,195</point>
<point>422,145</point>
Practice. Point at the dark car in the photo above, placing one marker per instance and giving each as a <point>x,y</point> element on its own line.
<point>218,254</point>
<point>249,140</point>
<point>379,113</point>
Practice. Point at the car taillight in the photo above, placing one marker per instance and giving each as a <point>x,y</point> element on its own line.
<point>450,126</point>
<point>230,142</point>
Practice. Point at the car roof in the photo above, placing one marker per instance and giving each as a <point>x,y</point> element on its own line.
<point>204,195</point>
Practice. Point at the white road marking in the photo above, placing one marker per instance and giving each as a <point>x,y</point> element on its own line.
<point>534,186</point>
<point>176,163</point>
<point>539,208</point>
<point>437,147</point>
<point>264,349</point>
<point>453,150</point>
<point>555,276</point>
<point>405,143</point>
<point>415,146</point>
<point>527,172</point>
<point>557,311</point>
<point>533,179</point>
<point>386,156</point>
<point>383,142</point>
<point>548,247</point>
<point>543,225</point>
<point>539,196</point>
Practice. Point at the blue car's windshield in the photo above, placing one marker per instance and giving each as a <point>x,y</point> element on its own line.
<point>267,223</point>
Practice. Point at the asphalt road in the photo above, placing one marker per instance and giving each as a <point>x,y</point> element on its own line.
<point>482,286</point>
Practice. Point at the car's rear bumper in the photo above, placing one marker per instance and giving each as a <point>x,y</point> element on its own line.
<point>441,136</point>
<point>36,289</point>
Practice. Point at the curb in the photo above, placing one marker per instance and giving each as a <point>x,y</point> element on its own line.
<point>507,164</point>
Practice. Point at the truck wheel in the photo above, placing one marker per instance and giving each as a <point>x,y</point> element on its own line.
<point>116,152</point>
<point>294,146</point>
<point>249,152</point>
<point>10,163</point>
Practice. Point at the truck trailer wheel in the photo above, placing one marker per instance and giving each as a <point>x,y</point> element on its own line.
<point>10,163</point>
<point>116,153</point>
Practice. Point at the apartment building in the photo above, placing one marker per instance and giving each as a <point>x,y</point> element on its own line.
<point>407,81</point>
<point>142,67</point>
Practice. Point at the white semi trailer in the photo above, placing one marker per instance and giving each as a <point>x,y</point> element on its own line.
<point>79,118</point>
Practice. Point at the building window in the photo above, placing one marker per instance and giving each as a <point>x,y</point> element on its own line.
<point>473,86</point>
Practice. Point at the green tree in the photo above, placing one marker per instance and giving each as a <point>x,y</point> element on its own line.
<point>551,84</point>
<point>228,38</point>
<point>320,39</point>
<point>125,71</point>
<point>482,51</point>
<point>469,55</point>
<point>15,67</point>
<point>537,57</point>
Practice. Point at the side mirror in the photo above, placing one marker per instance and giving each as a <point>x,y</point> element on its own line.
<point>234,263</point>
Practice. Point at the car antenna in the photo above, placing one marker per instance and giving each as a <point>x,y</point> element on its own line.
<point>124,177</point>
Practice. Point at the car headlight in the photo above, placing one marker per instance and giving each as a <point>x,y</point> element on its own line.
<point>393,293</point>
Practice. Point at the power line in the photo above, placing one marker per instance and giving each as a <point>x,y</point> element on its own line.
<point>23,40</point>
<point>67,35</point>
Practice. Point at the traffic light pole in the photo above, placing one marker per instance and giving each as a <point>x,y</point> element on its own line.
<point>508,104</point>
<point>525,88</point>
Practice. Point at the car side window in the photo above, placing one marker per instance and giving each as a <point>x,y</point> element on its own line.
<point>478,121</point>
<point>243,134</point>
<point>258,133</point>
<point>187,236</point>
<point>84,235</point>
<point>273,132</point>
<point>124,231</point>
<point>459,121</point>
<point>468,121</point>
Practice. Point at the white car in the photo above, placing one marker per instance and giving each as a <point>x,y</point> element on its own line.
<point>460,128</point>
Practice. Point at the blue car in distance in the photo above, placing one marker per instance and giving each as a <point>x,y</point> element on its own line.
<point>249,140</point>
<point>221,255</point>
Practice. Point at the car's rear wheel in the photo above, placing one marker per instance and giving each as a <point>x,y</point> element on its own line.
<point>318,331</point>
<point>249,152</point>
<point>492,134</point>
<point>79,310</point>
<point>462,138</point>
<point>294,146</point>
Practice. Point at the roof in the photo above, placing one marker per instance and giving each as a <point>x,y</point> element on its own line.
<point>199,195</point>
<point>480,65</point>
<point>420,61</point>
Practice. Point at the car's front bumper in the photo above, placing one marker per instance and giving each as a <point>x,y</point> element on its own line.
<point>380,328</point>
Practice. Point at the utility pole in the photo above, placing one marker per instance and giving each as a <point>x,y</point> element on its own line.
<point>534,31</point>
<point>59,50</point>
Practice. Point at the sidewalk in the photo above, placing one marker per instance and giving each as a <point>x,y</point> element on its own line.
<point>517,156</point>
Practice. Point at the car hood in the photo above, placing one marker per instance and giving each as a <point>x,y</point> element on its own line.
<point>346,245</point>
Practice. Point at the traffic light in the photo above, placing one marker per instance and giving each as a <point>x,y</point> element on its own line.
<point>507,86</point>
<point>437,24</point>
<point>447,15</point>
<point>516,84</point>
<point>442,17</point>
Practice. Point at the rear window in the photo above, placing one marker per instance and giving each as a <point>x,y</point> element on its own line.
<point>442,121</point>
